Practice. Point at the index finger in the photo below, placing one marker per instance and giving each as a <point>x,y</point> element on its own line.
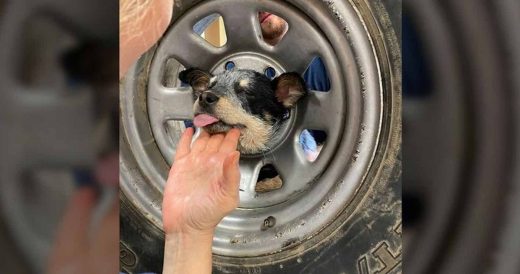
<point>230,141</point>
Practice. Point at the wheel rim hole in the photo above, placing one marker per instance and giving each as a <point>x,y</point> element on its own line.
<point>312,142</point>
<point>270,72</point>
<point>274,27</point>
<point>39,68</point>
<point>413,209</point>
<point>316,75</point>
<point>268,179</point>
<point>170,75</point>
<point>417,76</point>
<point>230,65</point>
<point>212,29</point>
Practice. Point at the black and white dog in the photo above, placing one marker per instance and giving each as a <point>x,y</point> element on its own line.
<point>243,99</point>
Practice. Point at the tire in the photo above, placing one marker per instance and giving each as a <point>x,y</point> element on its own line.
<point>364,234</point>
<point>46,121</point>
<point>460,193</point>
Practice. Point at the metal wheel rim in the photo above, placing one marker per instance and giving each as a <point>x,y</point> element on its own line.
<point>239,233</point>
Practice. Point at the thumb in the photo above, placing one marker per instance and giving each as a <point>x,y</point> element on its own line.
<point>231,172</point>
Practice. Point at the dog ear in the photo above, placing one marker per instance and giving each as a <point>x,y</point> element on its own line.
<point>289,88</point>
<point>196,78</point>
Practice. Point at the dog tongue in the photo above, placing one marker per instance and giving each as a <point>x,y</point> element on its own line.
<point>203,120</point>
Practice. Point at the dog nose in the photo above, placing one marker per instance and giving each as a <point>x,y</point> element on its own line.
<point>208,98</point>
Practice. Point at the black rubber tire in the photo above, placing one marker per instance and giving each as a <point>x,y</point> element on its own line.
<point>469,226</point>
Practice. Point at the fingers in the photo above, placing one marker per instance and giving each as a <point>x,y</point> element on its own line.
<point>201,142</point>
<point>232,173</point>
<point>214,142</point>
<point>230,142</point>
<point>183,148</point>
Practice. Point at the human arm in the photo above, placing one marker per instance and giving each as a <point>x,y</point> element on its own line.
<point>141,24</point>
<point>201,189</point>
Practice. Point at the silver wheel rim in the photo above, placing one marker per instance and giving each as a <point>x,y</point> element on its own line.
<point>313,193</point>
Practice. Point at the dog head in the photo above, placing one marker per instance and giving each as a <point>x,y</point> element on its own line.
<point>243,99</point>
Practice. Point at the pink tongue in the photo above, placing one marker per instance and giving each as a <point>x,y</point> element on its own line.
<point>203,120</point>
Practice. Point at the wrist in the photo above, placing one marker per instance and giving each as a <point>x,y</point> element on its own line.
<point>187,231</point>
<point>189,236</point>
<point>188,252</point>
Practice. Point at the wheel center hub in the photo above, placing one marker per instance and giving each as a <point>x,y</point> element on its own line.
<point>271,69</point>
<point>248,60</point>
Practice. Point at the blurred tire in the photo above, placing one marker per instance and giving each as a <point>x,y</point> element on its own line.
<point>461,154</point>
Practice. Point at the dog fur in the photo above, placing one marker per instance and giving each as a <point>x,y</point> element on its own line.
<point>247,100</point>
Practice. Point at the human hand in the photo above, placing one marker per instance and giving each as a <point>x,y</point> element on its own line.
<point>202,185</point>
<point>80,248</point>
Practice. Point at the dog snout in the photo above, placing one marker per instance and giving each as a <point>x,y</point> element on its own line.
<point>208,98</point>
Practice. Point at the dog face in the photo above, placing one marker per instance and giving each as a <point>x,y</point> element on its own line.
<point>243,99</point>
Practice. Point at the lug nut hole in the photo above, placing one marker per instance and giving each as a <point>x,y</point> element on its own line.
<point>270,72</point>
<point>229,65</point>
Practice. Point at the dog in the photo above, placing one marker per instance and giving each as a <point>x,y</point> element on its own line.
<point>243,99</point>
<point>247,100</point>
